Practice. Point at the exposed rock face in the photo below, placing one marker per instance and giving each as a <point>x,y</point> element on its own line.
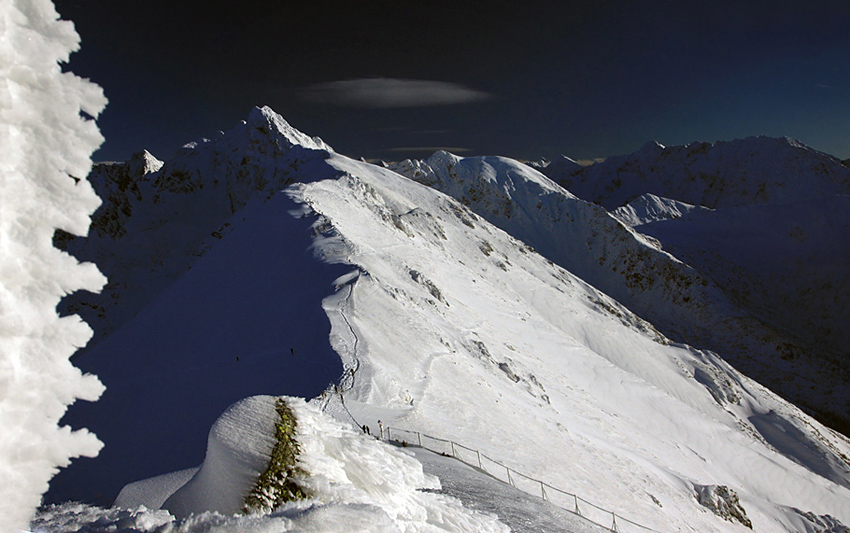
<point>723,502</point>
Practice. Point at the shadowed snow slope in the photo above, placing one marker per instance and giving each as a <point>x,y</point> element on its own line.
<point>452,327</point>
<point>246,319</point>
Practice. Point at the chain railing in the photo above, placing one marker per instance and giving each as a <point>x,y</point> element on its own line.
<point>565,500</point>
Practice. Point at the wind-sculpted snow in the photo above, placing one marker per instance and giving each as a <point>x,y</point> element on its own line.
<point>47,137</point>
<point>447,325</point>
<point>352,483</point>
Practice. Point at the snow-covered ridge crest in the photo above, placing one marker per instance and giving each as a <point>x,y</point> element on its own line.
<point>651,208</point>
<point>265,118</point>
<point>457,329</point>
<point>439,315</point>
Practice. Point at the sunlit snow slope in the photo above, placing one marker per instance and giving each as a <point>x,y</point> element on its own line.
<point>448,325</point>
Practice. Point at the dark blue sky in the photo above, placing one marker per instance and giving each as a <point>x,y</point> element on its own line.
<point>585,79</point>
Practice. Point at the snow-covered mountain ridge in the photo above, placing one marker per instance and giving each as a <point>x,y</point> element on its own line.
<point>754,170</point>
<point>136,240</point>
<point>447,324</point>
<point>682,302</point>
<point>777,241</point>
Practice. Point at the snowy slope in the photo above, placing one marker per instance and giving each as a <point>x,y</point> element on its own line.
<point>648,208</point>
<point>684,303</point>
<point>448,325</point>
<point>789,263</point>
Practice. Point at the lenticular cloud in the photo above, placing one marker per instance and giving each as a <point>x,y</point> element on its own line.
<point>46,149</point>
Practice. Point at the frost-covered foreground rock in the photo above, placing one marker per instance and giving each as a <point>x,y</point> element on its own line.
<point>444,324</point>
<point>351,482</point>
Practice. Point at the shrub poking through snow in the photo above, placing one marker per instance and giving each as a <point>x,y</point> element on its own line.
<point>277,484</point>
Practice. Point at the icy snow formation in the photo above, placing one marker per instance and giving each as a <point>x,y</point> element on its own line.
<point>46,150</point>
<point>354,482</point>
<point>450,326</point>
<point>238,450</point>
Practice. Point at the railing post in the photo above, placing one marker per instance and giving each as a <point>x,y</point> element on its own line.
<point>479,460</point>
<point>510,479</point>
<point>453,449</point>
<point>578,511</point>
<point>419,436</point>
<point>614,523</point>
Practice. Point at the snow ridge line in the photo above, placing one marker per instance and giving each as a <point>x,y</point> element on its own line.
<point>346,382</point>
<point>479,465</point>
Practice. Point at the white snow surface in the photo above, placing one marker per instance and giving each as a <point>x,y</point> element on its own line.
<point>238,450</point>
<point>354,482</point>
<point>46,149</point>
<point>651,208</point>
<point>447,325</point>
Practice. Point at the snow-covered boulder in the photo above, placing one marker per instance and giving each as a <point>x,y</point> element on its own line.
<point>342,475</point>
<point>239,447</point>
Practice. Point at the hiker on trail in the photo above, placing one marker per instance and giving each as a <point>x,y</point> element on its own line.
<point>381,427</point>
<point>366,429</point>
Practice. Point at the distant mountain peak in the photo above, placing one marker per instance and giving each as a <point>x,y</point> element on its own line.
<point>266,120</point>
<point>651,147</point>
<point>142,163</point>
